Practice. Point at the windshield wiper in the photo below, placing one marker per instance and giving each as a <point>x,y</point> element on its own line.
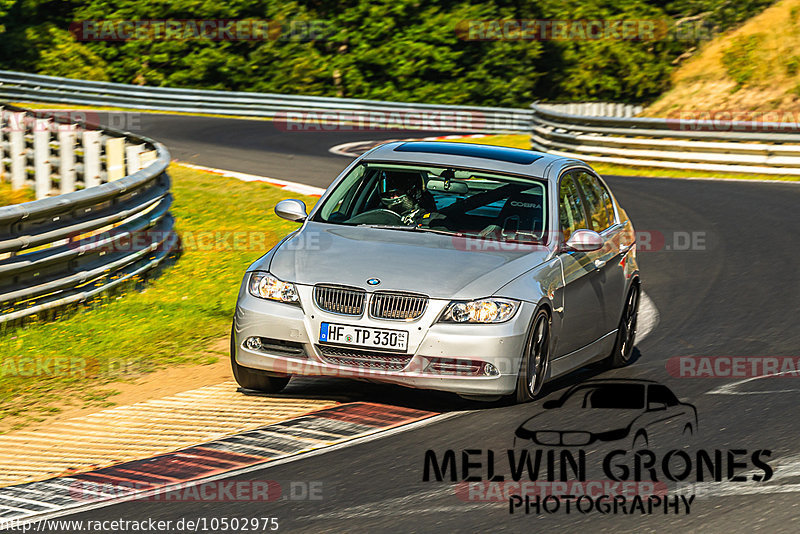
<point>412,229</point>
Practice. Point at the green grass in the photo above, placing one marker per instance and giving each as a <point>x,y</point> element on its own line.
<point>523,141</point>
<point>171,321</point>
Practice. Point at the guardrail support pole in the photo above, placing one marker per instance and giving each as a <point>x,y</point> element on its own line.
<point>132,158</point>
<point>16,128</point>
<point>115,158</point>
<point>41,157</point>
<point>91,158</point>
<point>2,151</point>
<point>66,142</point>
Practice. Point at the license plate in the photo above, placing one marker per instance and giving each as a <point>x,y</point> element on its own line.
<point>359,336</point>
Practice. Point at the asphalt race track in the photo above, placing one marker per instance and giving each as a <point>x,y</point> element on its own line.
<point>734,292</point>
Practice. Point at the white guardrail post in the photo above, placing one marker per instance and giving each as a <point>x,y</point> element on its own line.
<point>60,249</point>
<point>66,157</point>
<point>115,158</point>
<point>91,158</point>
<point>41,157</point>
<point>17,150</point>
<point>61,162</point>
<point>132,157</point>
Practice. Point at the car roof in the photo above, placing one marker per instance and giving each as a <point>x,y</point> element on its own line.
<point>473,156</point>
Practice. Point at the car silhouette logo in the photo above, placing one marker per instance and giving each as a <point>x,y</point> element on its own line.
<point>611,410</point>
<point>373,281</point>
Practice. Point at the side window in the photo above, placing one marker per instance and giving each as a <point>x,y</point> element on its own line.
<point>659,393</point>
<point>596,204</point>
<point>570,207</point>
<point>608,203</point>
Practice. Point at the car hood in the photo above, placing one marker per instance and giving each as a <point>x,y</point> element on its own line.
<point>440,266</point>
<point>579,420</point>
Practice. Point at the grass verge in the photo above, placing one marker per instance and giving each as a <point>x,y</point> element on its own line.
<point>523,141</point>
<point>225,225</point>
<point>10,196</point>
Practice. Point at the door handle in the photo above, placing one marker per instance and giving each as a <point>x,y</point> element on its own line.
<point>598,264</point>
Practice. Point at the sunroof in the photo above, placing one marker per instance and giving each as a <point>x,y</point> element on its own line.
<point>509,155</point>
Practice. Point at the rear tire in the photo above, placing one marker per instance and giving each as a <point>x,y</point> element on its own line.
<point>256,379</point>
<point>535,359</point>
<point>626,333</point>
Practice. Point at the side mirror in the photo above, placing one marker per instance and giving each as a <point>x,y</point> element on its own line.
<point>656,406</point>
<point>549,405</point>
<point>584,241</point>
<point>291,210</point>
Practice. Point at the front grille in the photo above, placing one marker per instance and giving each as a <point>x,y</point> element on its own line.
<point>399,306</point>
<point>341,300</point>
<point>364,359</point>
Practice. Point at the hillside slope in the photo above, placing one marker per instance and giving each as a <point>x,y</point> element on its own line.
<point>753,68</point>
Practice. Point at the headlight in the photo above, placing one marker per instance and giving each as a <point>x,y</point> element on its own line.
<point>489,310</point>
<point>266,286</point>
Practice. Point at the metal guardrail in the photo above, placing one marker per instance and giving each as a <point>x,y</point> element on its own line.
<point>16,86</point>
<point>68,248</point>
<point>701,145</point>
<point>594,109</point>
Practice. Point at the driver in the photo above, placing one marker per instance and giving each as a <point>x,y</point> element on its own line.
<point>404,193</point>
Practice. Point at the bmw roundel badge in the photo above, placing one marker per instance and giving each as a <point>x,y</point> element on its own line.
<point>373,281</point>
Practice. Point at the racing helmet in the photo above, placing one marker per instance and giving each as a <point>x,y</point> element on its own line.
<point>400,191</point>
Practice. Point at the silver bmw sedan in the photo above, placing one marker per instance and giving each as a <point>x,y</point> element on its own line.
<point>479,270</point>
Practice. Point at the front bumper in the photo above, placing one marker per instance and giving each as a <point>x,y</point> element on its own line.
<point>499,344</point>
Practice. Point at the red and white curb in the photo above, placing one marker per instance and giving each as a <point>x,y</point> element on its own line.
<point>294,187</point>
<point>153,478</point>
<point>356,148</point>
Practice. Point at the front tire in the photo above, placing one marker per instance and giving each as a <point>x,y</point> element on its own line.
<point>626,333</point>
<point>256,379</point>
<point>535,359</point>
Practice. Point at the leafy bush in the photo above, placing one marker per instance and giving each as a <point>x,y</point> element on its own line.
<point>740,58</point>
<point>404,50</point>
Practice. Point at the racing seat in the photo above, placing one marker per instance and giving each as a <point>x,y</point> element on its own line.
<point>521,215</point>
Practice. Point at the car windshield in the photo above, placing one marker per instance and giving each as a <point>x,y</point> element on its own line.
<point>613,396</point>
<point>438,199</point>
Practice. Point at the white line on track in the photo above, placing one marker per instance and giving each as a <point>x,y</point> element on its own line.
<point>732,388</point>
<point>295,187</point>
<point>648,317</point>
